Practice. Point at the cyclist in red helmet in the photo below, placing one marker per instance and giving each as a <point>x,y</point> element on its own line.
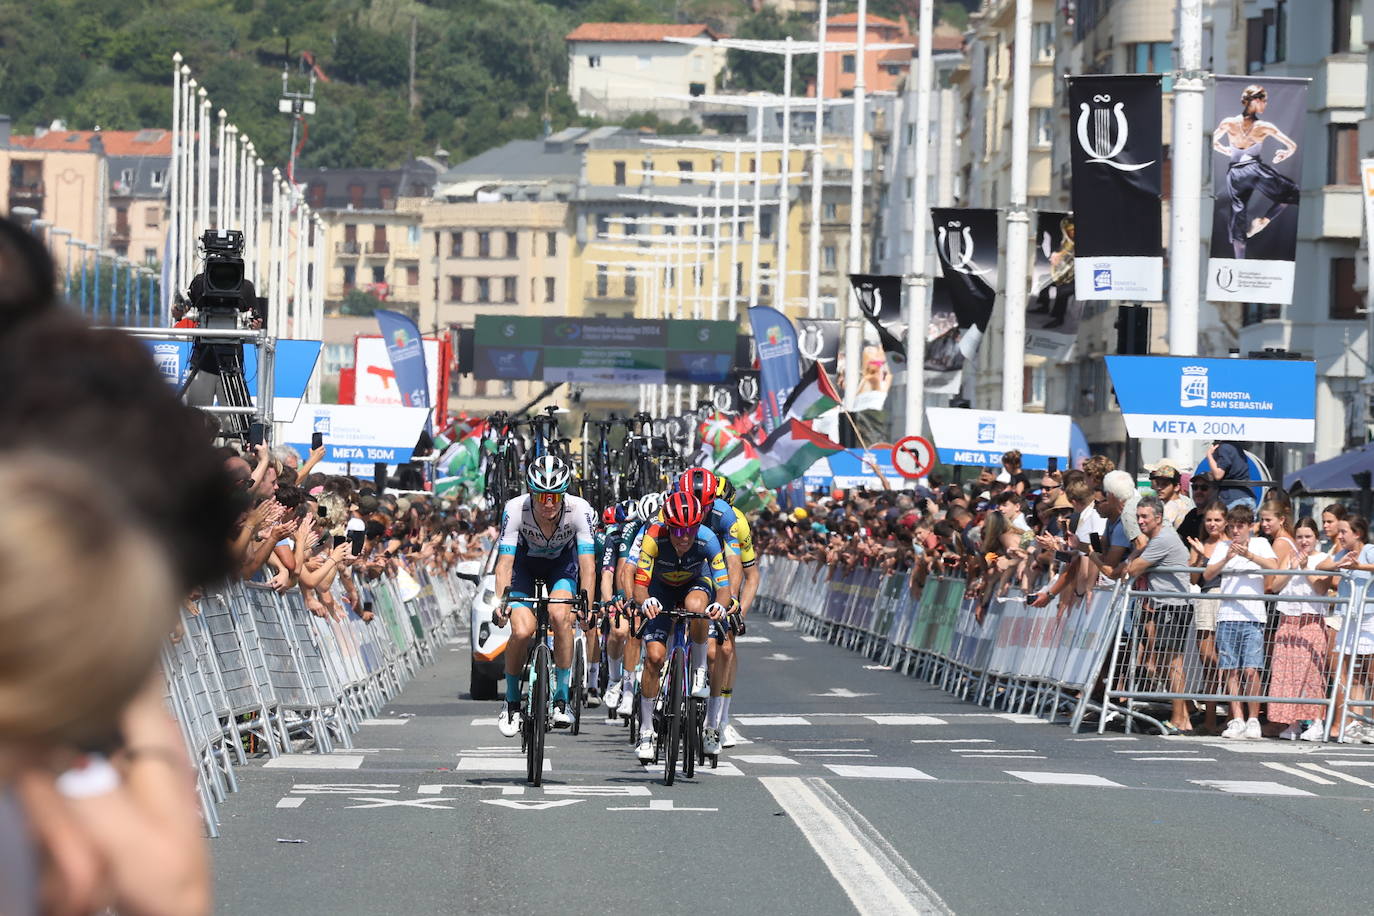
<point>681,564</point>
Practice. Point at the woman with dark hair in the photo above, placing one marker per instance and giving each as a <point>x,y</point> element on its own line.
<point>1355,641</point>
<point>1297,666</point>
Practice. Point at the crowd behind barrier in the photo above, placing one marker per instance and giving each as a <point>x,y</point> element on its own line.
<point>1087,592</point>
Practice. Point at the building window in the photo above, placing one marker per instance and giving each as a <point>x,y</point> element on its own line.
<point>1255,312</point>
<point>509,290</point>
<point>603,226</point>
<point>593,61</point>
<point>379,275</point>
<point>387,194</point>
<point>1346,303</point>
<point>1343,12</point>
<point>152,216</point>
<point>512,244</point>
<point>413,235</point>
<point>619,171</point>
<point>455,289</point>
<point>412,275</point>
<point>828,257</point>
<point>631,287</point>
<point>765,288</point>
<point>456,247</point>
<point>157,178</point>
<point>150,256</point>
<point>739,277</point>
<point>630,226</point>
<point>549,289</point>
<point>766,224</point>
<point>126,178</point>
<point>1042,40</point>
<point>909,186</point>
<point>350,279</point>
<point>551,243</point>
<point>507,388</point>
<point>1343,154</point>
<point>829,211</point>
<point>1152,57</point>
<point>484,244</point>
<point>601,282</point>
<point>685,165</point>
<point>847,63</point>
<point>1044,127</point>
<point>483,289</point>
<point>355,196</point>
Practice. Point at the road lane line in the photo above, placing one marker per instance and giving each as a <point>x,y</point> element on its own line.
<point>291,801</point>
<point>1246,787</point>
<point>953,741</point>
<point>907,720</point>
<point>1064,779</point>
<point>872,874</point>
<point>1177,759</point>
<point>771,720</point>
<point>866,771</point>
<point>775,759</point>
<point>1338,774</point>
<point>315,762</point>
<point>1301,774</point>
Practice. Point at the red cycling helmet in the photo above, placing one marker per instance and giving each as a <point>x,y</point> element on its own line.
<point>700,482</point>
<point>608,515</point>
<point>683,510</point>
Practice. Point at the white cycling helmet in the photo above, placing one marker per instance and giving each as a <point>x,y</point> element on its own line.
<point>649,506</point>
<point>548,475</point>
<point>631,507</point>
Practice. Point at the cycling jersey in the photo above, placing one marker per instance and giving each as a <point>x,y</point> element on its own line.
<point>520,528</point>
<point>731,527</point>
<point>609,551</point>
<point>659,560</point>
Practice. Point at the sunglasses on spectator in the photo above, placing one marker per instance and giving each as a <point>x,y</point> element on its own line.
<point>549,499</point>
<point>677,532</point>
<point>1164,478</point>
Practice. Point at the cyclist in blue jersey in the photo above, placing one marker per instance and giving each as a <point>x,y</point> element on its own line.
<point>680,564</point>
<point>546,536</point>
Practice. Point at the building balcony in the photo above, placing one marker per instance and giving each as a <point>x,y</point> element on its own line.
<point>378,249</point>
<point>347,248</point>
<point>119,232</point>
<point>27,194</point>
<point>406,251</point>
<point>612,291</point>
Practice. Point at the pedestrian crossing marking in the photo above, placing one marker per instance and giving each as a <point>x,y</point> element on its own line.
<point>1247,787</point>
<point>1064,779</point>
<point>866,771</point>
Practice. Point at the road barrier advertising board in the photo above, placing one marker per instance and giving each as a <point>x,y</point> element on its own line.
<point>980,437</point>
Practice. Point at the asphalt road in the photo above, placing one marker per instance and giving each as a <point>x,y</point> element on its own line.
<point>860,790</point>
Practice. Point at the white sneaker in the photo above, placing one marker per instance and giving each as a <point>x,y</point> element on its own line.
<point>561,717</point>
<point>700,688</point>
<point>508,720</point>
<point>612,697</point>
<point>1351,734</point>
<point>593,698</point>
<point>1290,733</point>
<point>1234,729</point>
<point>1366,734</point>
<point>627,703</point>
<point>711,741</point>
<point>729,737</point>
<point>645,749</point>
<point>1314,732</point>
<point>1252,729</point>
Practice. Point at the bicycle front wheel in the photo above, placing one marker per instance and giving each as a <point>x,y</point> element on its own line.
<point>538,714</point>
<point>577,690</point>
<point>691,737</point>
<point>672,717</point>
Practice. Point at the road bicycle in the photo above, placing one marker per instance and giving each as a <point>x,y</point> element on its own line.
<point>588,623</point>
<point>536,704</point>
<point>678,717</point>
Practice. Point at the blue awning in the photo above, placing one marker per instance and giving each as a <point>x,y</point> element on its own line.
<point>1333,474</point>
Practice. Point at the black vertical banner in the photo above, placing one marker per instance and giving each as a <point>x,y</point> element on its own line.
<point>880,298</point>
<point>818,341</point>
<point>1117,150</point>
<point>1052,318</point>
<point>962,299</point>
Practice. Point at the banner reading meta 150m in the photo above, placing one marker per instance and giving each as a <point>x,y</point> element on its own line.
<point>1256,164</point>
<point>1116,152</point>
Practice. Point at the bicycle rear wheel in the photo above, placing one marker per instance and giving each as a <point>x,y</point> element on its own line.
<point>691,738</point>
<point>577,689</point>
<point>672,717</point>
<point>537,720</point>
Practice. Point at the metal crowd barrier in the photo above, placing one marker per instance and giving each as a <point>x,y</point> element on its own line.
<point>1035,661</point>
<point>255,664</point>
<point>1109,652</point>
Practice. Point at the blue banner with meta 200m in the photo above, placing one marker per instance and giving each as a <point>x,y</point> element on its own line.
<point>1187,397</point>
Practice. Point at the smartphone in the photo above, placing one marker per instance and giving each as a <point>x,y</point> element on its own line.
<point>339,539</point>
<point>1096,540</point>
<point>323,512</point>
<point>1054,464</point>
<point>255,434</point>
<point>317,441</point>
<point>355,540</point>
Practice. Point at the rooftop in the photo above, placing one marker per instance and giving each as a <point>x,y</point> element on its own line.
<point>637,32</point>
<point>852,19</point>
<point>146,142</point>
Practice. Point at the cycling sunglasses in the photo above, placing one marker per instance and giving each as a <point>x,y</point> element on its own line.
<point>549,499</point>
<point>683,532</point>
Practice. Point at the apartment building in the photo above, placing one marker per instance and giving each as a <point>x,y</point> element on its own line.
<point>618,68</point>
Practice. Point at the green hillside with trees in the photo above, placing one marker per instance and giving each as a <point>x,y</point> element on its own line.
<point>486,71</point>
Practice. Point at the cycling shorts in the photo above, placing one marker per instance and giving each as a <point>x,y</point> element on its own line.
<point>658,629</point>
<point>557,573</point>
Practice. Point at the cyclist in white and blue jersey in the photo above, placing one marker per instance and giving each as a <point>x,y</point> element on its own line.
<point>546,536</point>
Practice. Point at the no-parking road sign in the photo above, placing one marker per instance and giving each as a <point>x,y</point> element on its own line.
<point>913,457</point>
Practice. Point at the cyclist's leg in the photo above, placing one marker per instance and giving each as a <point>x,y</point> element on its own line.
<point>698,596</point>
<point>724,652</point>
<point>521,625</point>
<point>562,585</point>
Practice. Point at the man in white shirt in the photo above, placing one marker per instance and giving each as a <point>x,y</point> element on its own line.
<point>1240,559</point>
<point>1166,478</point>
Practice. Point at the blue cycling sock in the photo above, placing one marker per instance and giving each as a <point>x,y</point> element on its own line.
<point>512,688</point>
<point>561,678</point>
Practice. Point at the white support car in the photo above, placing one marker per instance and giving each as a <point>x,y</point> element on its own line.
<point>488,640</point>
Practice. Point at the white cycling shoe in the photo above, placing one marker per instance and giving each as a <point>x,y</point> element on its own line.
<point>593,698</point>
<point>701,689</point>
<point>561,717</point>
<point>612,698</point>
<point>711,742</point>
<point>627,704</point>
<point>508,720</point>
<point>729,737</point>
<point>645,749</point>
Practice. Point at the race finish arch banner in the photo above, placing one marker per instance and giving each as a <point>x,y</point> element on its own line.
<point>1117,150</point>
<point>1256,167</point>
<point>1184,397</point>
<point>357,436</point>
<point>603,350</point>
<point>963,295</point>
<point>979,437</point>
<point>1052,318</point>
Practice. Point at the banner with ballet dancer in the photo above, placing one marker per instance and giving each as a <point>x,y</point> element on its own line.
<point>1052,318</point>
<point>1117,152</point>
<point>1256,167</point>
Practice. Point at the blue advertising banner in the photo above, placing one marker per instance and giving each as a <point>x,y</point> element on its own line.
<point>779,361</point>
<point>405,347</point>
<point>853,469</point>
<point>979,438</point>
<point>1185,397</point>
<point>295,363</point>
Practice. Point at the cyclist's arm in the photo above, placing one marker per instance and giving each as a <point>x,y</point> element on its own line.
<point>749,588</point>
<point>720,573</point>
<point>644,568</point>
<point>749,580</point>
<point>586,553</point>
<point>508,541</point>
<point>505,564</point>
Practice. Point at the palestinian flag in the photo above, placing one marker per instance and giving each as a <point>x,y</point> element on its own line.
<point>814,395</point>
<point>740,465</point>
<point>790,449</point>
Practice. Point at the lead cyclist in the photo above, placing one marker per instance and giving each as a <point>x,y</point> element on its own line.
<point>546,536</point>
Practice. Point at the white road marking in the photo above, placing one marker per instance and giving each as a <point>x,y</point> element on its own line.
<point>953,741</point>
<point>774,759</point>
<point>531,804</point>
<point>1139,751</point>
<point>497,764</point>
<point>384,721</point>
<point>1021,718</point>
<point>779,657</point>
<point>850,754</point>
<point>660,804</point>
<point>1009,757</point>
<point>879,668</point>
<point>1301,774</point>
<point>1177,759</point>
<point>723,768</point>
<point>1349,763</point>
<point>1105,738</point>
<point>346,788</point>
<point>433,804</point>
<point>805,638</point>
<point>439,787</point>
<point>1244,787</point>
<point>843,693</point>
<point>771,720</point>
<point>872,874</point>
<point>291,801</point>
<point>1065,779</point>
<point>752,639</point>
<point>1338,774</point>
<point>597,791</point>
<point>783,624</point>
<point>1262,747</point>
<point>512,790</point>
<point>993,750</point>
<point>485,721</point>
<point>863,771</point>
<point>907,720</point>
<point>315,762</point>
